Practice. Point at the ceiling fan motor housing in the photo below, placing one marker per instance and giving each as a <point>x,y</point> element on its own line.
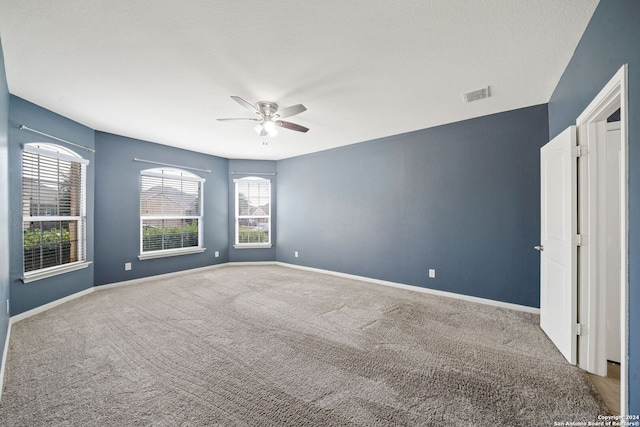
<point>267,109</point>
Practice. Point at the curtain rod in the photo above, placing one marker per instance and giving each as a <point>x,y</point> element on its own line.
<point>24,127</point>
<point>169,164</point>
<point>253,173</point>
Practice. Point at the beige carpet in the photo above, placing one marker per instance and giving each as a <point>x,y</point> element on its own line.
<point>270,346</point>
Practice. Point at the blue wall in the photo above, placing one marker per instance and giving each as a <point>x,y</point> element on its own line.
<point>25,296</point>
<point>461,198</point>
<point>4,203</point>
<point>118,208</point>
<point>611,39</point>
<point>262,169</point>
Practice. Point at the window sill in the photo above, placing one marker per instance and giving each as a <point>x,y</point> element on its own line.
<point>252,246</point>
<point>54,271</point>
<point>170,252</point>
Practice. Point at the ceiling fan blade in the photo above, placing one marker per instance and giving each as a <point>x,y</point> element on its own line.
<point>291,111</point>
<point>245,104</point>
<point>239,118</point>
<point>292,126</point>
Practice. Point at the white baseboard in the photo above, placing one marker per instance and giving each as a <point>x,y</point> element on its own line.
<point>237,263</point>
<point>48,306</point>
<point>414,288</point>
<point>479,300</point>
<point>156,277</point>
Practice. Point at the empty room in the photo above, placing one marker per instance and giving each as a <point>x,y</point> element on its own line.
<point>320,213</point>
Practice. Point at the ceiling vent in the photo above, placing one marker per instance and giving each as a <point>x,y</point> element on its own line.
<point>476,95</point>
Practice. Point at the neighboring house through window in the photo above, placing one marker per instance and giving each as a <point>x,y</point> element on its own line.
<point>253,212</point>
<point>53,210</point>
<point>170,213</point>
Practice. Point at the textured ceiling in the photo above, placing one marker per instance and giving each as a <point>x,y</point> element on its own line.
<point>163,70</point>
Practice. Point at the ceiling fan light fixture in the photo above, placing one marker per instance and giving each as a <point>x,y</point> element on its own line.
<point>260,130</point>
<point>266,128</point>
<point>270,127</point>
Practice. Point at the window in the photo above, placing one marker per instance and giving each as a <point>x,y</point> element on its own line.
<point>53,210</point>
<point>253,212</point>
<point>170,213</point>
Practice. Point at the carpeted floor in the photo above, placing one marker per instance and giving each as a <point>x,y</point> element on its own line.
<point>271,345</point>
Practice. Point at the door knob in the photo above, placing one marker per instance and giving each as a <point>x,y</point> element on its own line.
<point>539,248</point>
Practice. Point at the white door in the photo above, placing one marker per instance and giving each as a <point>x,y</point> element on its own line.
<point>558,250</point>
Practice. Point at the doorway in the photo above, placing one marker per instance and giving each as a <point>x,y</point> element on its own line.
<point>583,232</point>
<point>610,250</point>
<point>609,152</point>
<point>602,221</point>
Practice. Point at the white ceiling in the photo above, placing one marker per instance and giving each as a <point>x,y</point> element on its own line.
<point>163,70</point>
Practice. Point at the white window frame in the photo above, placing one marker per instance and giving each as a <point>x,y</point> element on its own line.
<point>58,152</point>
<point>176,174</point>
<point>238,217</point>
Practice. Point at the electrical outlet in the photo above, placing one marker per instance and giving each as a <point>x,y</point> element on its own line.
<point>295,254</point>
<point>216,254</point>
<point>432,273</point>
<point>127,266</point>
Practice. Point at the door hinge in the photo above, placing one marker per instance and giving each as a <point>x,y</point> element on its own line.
<point>581,150</point>
<point>579,329</point>
<point>579,240</point>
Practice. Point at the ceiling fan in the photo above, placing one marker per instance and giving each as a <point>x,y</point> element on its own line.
<point>270,115</point>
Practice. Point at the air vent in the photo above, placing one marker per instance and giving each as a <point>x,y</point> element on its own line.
<point>476,95</point>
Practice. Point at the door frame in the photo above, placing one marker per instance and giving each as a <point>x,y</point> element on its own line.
<point>591,310</point>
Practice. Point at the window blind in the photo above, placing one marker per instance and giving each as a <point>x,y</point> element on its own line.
<point>253,210</point>
<point>170,209</point>
<point>53,207</point>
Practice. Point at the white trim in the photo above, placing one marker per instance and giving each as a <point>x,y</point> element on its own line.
<point>592,349</point>
<point>171,165</point>
<point>168,176</point>
<point>55,271</point>
<point>414,288</point>
<point>242,263</point>
<point>605,97</point>
<point>34,147</point>
<point>485,301</point>
<point>48,306</point>
<point>94,288</point>
<point>4,358</point>
<point>251,178</point>
<point>170,252</point>
<point>156,277</point>
<point>73,157</point>
<point>236,226</point>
